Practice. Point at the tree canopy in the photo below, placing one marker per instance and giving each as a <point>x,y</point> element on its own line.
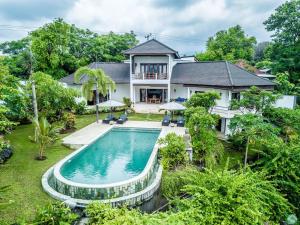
<point>60,48</point>
<point>231,44</point>
<point>284,52</point>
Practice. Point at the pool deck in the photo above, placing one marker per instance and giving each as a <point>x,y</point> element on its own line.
<point>91,132</point>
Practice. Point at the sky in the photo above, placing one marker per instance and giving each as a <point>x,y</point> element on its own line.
<point>184,25</point>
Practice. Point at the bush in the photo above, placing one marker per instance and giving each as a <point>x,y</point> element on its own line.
<point>5,151</point>
<point>55,214</point>
<point>127,102</point>
<point>173,151</point>
<point>80,108</point>
<point>69,121</point>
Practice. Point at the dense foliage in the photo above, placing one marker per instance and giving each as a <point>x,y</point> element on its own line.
<point>287,120</point>
<point>172,151</point>
<point>55,214</point>
<point>60,48</point>
<point>206,100</point>
<point>284,51</point>
<point>222,197</point>
<point>251,130</point>
<point>52,97</point>
<point>206,147</point>
<point>281,163</point>
<point>254,100</point>
<point>231,44</point>
<point>14,96</point>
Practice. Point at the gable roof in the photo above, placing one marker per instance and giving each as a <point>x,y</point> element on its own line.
<point>151,47</point>
<point>217,73</point>
<point>118,72</point>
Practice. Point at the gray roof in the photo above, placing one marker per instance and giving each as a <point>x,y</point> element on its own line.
<point>151,47</point>
<point>119,72</point>
<point>217,74</point>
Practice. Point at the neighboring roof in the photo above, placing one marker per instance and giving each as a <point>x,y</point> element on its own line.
<point>218,74</point>
<point>151,47</point>
<point>118,72</point>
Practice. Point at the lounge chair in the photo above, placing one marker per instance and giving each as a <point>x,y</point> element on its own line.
<point>165,121</point>
<point>180,121</point>
<point>123,118</point>
<point>108,118</point>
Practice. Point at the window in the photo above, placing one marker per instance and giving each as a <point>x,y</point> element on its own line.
<point>235,95</point>
<point>153,68</point>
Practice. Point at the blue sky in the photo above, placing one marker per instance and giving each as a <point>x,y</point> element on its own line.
<point>184,25</point>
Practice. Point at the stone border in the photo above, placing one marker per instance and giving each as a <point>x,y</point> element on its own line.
<point>131,200</point>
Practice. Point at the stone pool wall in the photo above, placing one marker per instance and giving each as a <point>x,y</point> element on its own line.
<point>102,193</point>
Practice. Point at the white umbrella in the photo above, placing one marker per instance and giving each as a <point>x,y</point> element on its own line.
<point>110,104</point>
<point>172,106</point>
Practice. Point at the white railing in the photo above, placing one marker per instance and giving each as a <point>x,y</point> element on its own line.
<point>150,76</point>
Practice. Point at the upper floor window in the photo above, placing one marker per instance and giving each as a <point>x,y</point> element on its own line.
<point>151,68</point>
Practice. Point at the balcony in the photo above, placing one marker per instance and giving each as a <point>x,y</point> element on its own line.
<point>150,76</point>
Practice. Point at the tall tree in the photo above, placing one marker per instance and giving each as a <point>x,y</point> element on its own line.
<point>231,44</point>
<point>285,23</point>
<point>253,130</point>
<point>254,100</point>
<point>97,80</point>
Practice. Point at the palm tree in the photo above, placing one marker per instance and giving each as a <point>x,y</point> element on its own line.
<point>45,135</point>
<point>97,80</point>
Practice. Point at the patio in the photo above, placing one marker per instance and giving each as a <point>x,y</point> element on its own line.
<point>147,108</point>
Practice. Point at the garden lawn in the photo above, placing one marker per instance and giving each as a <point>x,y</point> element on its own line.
<point>23,173</point>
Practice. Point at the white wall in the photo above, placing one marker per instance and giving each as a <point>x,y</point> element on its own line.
<point>122,90</point>
<point>181,91</point>
<point>286,101</point>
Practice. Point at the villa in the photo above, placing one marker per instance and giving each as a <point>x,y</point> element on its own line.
<point>155,74</point>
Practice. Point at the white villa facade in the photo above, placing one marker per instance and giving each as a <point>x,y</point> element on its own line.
<point>155,74</point>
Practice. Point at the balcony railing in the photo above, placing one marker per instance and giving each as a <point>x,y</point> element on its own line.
<point>150,76</point>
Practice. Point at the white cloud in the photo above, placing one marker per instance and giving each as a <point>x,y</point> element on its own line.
<point>184,25</point>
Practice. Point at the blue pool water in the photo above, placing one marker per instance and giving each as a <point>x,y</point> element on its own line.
<point>118,155</point>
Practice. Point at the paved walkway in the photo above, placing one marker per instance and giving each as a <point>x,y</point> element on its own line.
<point>91,132</point>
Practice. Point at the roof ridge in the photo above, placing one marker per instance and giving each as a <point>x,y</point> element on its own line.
<point>219,61</point>
<point>253,74</point>
<point>229,73</point>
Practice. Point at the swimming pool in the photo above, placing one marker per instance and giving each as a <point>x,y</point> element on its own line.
<point>119,166</point>
<point>118,155</point>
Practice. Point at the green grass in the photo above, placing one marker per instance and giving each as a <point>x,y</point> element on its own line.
<point>23,173</point>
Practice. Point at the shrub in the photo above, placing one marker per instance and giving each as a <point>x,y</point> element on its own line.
<point>127,102</point>
<point>69,121</point>
<point>80,108</point>
<point>55,214</point>
<point>173,151</point>
<point>5,151</point>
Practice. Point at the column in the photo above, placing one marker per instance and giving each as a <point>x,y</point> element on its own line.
<point>169,92</point>
<point>189,93</point>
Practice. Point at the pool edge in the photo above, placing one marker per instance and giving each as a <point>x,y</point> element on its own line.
<point>130,200</point>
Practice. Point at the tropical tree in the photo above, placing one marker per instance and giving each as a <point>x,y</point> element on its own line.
<point>206,147</point>
<point>206,100</point>
<point>287,120</point>
<point>52,97</point>
<point>281,161</point>
<point>254,100</point>
<point>284,52</point>
<point>173,151</point>
<point>231,44</point>
<point>97,80</point>
<point>45,134</point>
<point>253,130</point>
<point>284,86</point>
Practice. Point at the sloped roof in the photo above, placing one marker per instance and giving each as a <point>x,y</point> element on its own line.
<point>118,72</point>
<point>152,47</point>
<point>219,73</point>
